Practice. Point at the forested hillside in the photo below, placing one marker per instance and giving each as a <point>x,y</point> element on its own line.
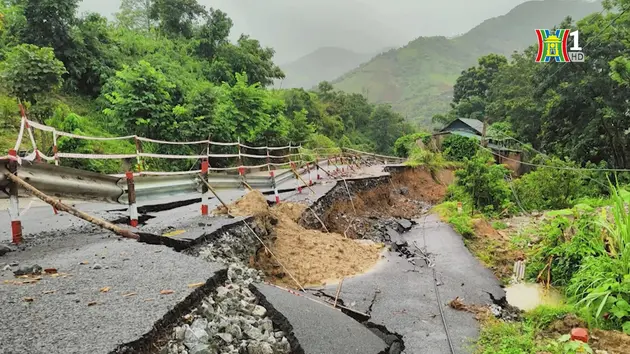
<point>164,69</point>
<point>578,110</point>
<point>418,78</point>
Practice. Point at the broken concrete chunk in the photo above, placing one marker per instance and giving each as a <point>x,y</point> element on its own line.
<point>29,270</point>
<point>202,349</point>
<point>226,337</point>
<point>4,249</point>
<point>405,224</point>
<point>259,311</point>
<point>259,348</point>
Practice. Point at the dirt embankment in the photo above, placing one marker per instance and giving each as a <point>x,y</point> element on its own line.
<point>407,196</point>
<point>312,257</point>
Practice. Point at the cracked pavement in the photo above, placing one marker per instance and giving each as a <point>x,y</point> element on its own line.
<point>402,296</point>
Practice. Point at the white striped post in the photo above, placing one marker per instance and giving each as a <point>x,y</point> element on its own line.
<point>204,187</point>
<point>55,148</point>
<point>14,203</point>
<point>297,180</point>
<point>241,168</point>
<point>310,179</point>
<point>138,151</point>
<point>131,196</point>
<point>275,187</point>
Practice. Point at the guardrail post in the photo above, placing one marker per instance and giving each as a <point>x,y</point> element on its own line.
<point>204,187</point>
<point>138,151</point>
<point>317,167</point>
<point>14,202</point>
<point>241,168</point>
<point>297,180</point>
<point>131,196</point>
<point>310,179</point>
<point>275,187</point>
<point>55,149</point>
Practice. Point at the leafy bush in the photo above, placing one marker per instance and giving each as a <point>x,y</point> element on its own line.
<point>485,183</point>
<point>565,245</point>
<point>549,187</point>
<point>404,144</point>
<point>29,71</point>
<point>457,147</point>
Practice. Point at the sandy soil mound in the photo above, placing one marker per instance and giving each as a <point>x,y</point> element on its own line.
<point>253,203</point>
<point>311,256</point>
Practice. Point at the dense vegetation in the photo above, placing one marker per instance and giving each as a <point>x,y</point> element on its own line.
<point>165,69</point>
<point>571,120</point>
<point>418,78</point>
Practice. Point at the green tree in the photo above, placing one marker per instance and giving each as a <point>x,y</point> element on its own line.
<point>176,17</point>
<point>251,113</point>
<point>485,183</point>
<point>30,71</point>
<point>386,127</point>
<point>135,15</point>
<point>139,98</point>
<point>213,34</point>
<point>459,148</point>
<point>300,129</point>
<point>247,56</point>
<point>471,90</point>
<point>96,58</point>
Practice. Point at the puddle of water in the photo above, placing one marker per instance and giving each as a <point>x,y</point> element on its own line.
<point>528,296</point>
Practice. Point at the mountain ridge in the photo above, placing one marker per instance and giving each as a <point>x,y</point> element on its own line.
<point>323,64</point>
<point>417,78</point>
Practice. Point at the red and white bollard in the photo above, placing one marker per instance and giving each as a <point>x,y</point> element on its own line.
<point>275,187</point>
<point>318,175</point>
<point>14,203</point>
<point>297,180</point>
<point>241,173</point>
<point>131,196</point>
<point>310,179</point>
<point>204,187</point>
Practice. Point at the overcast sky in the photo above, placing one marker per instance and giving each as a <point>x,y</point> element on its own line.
<point>297,27</point>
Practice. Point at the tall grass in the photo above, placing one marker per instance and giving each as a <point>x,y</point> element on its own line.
<point>602,285</point>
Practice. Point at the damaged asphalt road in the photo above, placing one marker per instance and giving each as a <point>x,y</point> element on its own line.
<point>107,292</point>
<point>401,296</point>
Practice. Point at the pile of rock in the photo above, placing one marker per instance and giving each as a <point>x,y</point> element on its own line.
<point>235,245</point>
<point>230,321</point>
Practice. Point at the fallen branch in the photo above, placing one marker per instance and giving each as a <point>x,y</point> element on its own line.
<point>338,291</point>
<point>300,178</point>
<point>215,194</point>
<point>63,207</point>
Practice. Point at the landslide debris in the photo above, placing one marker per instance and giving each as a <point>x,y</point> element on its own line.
<point>312,257</point>
<point>229,321</point>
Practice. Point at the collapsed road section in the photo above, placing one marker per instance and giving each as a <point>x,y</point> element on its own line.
<point>358,232</point>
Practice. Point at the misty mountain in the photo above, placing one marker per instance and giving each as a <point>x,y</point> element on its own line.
<point>324,64</point>
<point>418,79</point>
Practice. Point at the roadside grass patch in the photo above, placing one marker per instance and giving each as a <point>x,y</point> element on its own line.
<point>540,331</point>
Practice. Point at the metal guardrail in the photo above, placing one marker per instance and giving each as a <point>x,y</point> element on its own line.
<point>71,183</point>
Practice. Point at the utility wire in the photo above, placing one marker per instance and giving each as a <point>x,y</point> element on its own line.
<point>557,167</point>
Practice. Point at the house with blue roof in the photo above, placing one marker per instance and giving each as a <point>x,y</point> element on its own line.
<point>504,151</point>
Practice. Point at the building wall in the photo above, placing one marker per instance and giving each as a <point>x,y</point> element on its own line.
<point>514,162</point>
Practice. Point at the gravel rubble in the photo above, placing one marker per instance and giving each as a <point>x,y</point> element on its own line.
<point>229,321</point>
